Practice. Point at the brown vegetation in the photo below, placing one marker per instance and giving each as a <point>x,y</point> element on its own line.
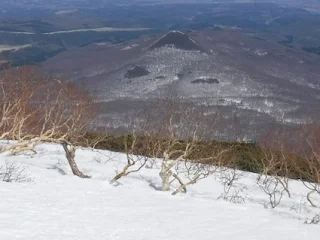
<point>37,108</point>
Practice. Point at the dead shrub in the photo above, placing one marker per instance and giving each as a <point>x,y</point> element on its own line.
<point>13,172</point>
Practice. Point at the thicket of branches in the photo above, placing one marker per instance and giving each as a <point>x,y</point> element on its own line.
<point>307,164</point>
<point>37,108</point>
<point>171,137</point>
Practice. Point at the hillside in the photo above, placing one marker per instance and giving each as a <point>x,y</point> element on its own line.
<point>259,79</point>
<point>57,205</point>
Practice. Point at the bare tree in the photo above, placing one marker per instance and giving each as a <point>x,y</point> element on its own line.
<point>135,162</point>
<point>275,172</point>
<point>229,178</point>
<point>177,132</point>
<point>276,167</point>
<point>309,165</point>
<point>17,92</point>
<point>293,154</point>
<point>70,151</point>
<point>178,159</point>
<point>273,187</point>
<point>37,108</point>
<point>192,172</point>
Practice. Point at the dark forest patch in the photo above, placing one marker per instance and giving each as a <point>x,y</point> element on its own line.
<point>160,77</point>
<point>136,72</point>
<point>205,81</point>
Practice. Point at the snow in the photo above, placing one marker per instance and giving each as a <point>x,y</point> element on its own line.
<point>261,52</point>
<point>57,205</point>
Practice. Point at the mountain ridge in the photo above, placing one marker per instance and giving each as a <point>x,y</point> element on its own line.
<point>176,39</point>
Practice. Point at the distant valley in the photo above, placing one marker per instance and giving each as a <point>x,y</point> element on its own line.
<point>49,28</point>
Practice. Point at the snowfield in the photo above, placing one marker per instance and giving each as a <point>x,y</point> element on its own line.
<point>57,205</point>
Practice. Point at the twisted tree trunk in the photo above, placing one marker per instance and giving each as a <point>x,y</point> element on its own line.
<point>70,154</point>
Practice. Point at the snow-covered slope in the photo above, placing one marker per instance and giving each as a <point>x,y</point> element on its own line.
<point>57,205</point>
<point>263,82</point>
